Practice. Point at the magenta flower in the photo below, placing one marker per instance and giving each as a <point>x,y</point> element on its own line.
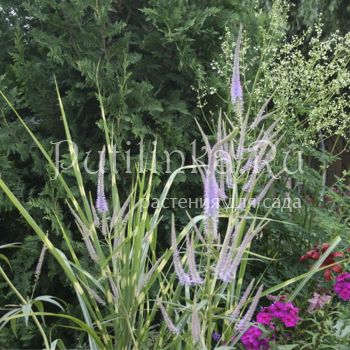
<point>285,312</point>
<point>342,286</point>
<point>264,317</point>
<point>253,339</point>
<point>318,301</point>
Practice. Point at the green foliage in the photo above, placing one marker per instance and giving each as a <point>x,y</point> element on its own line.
<point>334,14</point>
<point>311,88</point>
<point>326,329</point>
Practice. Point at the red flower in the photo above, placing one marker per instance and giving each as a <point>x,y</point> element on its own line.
<point>316,253</point>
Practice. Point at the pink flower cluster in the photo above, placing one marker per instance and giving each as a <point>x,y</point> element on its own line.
<point>342,286</point>
<point>285,312</point>
<point>318,301</point>
<point>252,339</point>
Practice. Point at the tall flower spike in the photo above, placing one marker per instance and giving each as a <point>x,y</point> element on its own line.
<point>236,87</point>
<point>113,287</point>
<point>222,193</point>
<point>183,277</point>
<point>195,324</point>
<point>96,296</point>
<point>195,277</point>
<point>95,216</point>
<point>86,238</point>
<point>211,195</point>
<point>86,235</point>
<point>220,133</point>
<point>211,199</point>
<point>39,265</point>
<point>172,328</point>
<point>211,190</point>
<point>196,229</point>
<point>104,226</point>
<point>146,277</point>
<point>222,263</point>
<point>224,256</point>
<point>248,185</point>
<point>244,323</point>
<point>231,267</point>
<point>262,194</point>
<point>228,161</point>
<point>261,115</point>
<point>242,136</point>
<point>220,128</point>
<point>119,213</point>
<point>237,310</point>
<point>101,203</point>
<point>248,165</point>
<point>211,186</point>
<point>225,172</point>
<point>232,150</point>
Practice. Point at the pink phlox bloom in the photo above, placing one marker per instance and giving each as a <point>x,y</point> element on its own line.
<point>264,317</point>
<point>318,301</point>
<point>342,286</point>
<point>285,312</point>
<point>252,339</point>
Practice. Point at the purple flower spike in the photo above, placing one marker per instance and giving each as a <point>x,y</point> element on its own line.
<point>249,314</point>
<point>212,191</point>
<point>195,277</point>
<point>183,277</point>
<point>236,87</point>
<point>101,202</point>
<point>211,196</point>
<point>211,204</point>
